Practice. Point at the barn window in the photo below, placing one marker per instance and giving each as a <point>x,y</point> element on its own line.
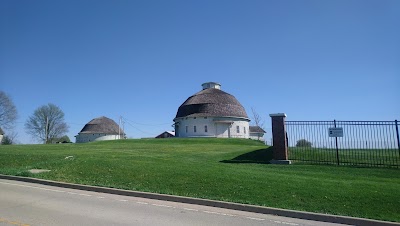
<point>194,117</point>
<point>205,117</point>
<point>205,129</point>
<point>237,129</point>
<point>186,129</point>
<point>244,130</point>
<point>194,129</point>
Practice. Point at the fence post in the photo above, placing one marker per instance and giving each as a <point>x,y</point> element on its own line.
<point>279,139</point>
<point>397,134</point>
<point>337,148</point>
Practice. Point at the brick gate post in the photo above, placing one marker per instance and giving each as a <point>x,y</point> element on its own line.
<point>279,139</point>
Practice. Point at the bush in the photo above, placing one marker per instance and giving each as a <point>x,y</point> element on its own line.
<point>303,143</point>
<point>64,139</point>
<point>7,140</point>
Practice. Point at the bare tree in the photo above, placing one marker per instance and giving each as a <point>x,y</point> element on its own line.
<point>8,111</point>
<point>257,121</point>
<point>47,123</point>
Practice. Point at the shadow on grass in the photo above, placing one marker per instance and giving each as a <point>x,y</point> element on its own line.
<point>262,156</point>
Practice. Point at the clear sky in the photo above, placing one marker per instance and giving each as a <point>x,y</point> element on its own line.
<point>313,60</point>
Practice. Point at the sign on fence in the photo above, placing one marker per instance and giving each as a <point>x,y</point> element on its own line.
<point>336,132</point>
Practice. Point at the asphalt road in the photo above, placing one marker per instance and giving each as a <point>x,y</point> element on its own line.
<point>25,204</point>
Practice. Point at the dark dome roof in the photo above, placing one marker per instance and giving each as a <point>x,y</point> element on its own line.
<point>102,125</point>
<point>211,102</point>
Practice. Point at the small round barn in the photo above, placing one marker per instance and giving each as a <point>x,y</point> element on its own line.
<point>1,135</point>
<point>212,113</point>
<point>101,128</point>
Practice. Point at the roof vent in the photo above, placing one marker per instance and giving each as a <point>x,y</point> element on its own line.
<point>212,85</point>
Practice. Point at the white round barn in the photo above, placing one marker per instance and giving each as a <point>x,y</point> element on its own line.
<point>212,113</point>
<point>101,128</point>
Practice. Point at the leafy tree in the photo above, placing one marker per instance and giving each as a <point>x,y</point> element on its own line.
<point>303,143</point>
<point>47,123</point>
<point>8,111</point>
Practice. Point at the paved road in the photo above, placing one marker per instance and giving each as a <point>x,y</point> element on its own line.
<point>24,203</point>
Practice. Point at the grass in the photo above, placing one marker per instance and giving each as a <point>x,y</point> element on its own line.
<point>358,157</point>
<point>232,170</point>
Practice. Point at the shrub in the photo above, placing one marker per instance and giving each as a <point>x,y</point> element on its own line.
<point>303,143</point>
<point>7,140</point>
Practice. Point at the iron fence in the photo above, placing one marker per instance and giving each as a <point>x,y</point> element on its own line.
<point>359,143</point>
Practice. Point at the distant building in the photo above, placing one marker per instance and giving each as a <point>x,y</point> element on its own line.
<point>257,133</point>
<point>1,135</point>
<point>166,134</point>
<point>101,128</point>
<point>212,113</point>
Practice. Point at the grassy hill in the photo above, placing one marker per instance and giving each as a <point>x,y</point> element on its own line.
<point>232,170</point>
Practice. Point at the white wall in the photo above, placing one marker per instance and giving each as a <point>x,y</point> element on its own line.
<point>89,137</point>
<point>254,136</point>
<point>215,127</point>
<point>1,138</point>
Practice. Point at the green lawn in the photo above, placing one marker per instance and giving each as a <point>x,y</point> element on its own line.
<point>232,170</point>
<point>358,157</point>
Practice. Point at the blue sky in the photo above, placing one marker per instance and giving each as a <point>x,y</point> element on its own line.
<point>313,60</point>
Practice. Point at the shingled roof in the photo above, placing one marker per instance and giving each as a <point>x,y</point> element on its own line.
<point>256,129</point>
<point>211,102</point>
<point>102,125</point>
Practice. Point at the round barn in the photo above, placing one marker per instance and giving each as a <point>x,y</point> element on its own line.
<point>101,128</point>
<point>212,113</point>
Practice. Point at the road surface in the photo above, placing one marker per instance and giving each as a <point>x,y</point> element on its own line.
<point>26,204</point>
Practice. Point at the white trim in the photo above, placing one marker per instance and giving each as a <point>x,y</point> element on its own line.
<point>223,122</point>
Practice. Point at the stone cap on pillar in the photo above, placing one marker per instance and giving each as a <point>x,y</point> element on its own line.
<point>277,115</point>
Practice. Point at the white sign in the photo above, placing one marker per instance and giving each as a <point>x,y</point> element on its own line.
<point>336,132</point>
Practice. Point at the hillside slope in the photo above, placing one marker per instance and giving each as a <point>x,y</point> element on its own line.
<point>222,169</point>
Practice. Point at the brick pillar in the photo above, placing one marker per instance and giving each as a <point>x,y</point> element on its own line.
<point>279,139</point>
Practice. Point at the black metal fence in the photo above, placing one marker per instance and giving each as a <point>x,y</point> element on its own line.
<point>359,143</point>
